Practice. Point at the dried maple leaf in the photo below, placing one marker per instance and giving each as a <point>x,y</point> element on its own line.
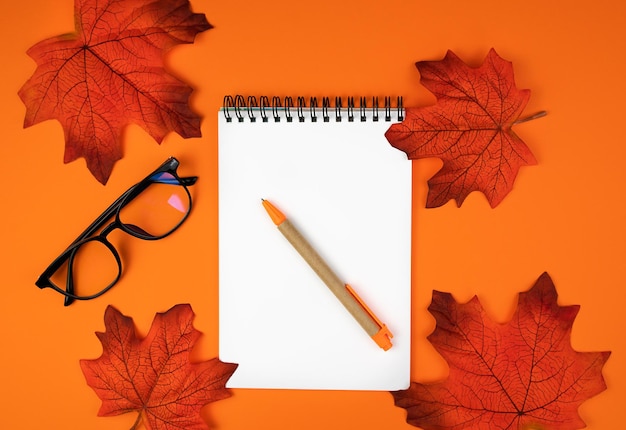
<point>469,129</point>
<point>154,375</point>
<point>109,74</point>
<point>520,375</point>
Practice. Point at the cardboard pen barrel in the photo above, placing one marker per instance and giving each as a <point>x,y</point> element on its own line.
<point>331,280</point>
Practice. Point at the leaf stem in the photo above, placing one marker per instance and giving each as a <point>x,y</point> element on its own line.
<point>531,117</point>
<point>137,422</point>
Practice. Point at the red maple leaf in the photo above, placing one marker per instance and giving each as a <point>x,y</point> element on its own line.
<point>469,129</point>
<point>109,74</point>
<point>520,375</point>
<point>154,375</point>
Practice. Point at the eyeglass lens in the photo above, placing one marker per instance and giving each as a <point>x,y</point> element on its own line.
<point>94,268</point>
<point>157,210</point>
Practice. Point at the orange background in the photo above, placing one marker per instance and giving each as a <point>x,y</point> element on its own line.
<point>564,216</point>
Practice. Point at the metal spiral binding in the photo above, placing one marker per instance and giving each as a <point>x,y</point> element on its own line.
<point>238,106</point>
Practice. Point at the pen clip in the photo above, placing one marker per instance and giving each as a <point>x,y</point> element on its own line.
<point>383,336</point>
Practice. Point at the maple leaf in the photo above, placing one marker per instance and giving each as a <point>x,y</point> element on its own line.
<point>154,375</point>
<point>469,129</point>
<point>520,375</point>
<point>109,74</point>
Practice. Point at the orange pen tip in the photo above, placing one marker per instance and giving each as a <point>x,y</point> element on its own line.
<point>277,216</point>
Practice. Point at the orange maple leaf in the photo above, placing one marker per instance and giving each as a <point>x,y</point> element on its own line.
<point>109,74</point>
<point>520,375</point>
<point>469,129</point>
<point>154,375</point>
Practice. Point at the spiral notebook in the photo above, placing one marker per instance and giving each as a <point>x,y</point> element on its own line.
<point>330,169</point>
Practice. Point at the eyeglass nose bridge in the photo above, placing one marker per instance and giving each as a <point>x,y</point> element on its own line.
<point>112,226</point>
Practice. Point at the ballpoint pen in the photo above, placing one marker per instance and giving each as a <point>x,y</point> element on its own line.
<point>346,295</point>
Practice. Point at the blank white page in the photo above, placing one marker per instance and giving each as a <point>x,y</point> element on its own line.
<point>348,191</point>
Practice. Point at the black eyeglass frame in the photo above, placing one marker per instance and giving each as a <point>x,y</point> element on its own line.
<point>67,256</point>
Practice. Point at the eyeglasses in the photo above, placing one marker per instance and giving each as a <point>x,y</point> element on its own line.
<point>151,209</point>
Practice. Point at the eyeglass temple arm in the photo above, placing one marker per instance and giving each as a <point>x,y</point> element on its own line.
<point>112,209</point>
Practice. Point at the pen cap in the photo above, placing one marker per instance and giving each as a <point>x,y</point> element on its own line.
<point>383,338</point>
